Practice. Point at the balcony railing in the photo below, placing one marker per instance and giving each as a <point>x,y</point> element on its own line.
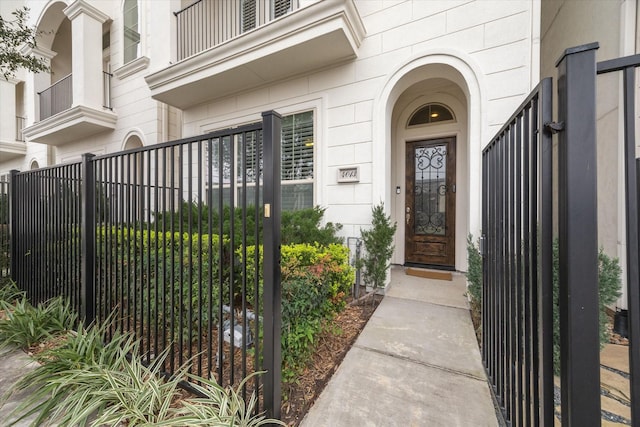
<point>56,98</point>
<point>208,23</point>
<point>20,124</point>
<point>59,96</point>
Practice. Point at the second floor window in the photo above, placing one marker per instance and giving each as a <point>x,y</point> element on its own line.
<point>131,31</point>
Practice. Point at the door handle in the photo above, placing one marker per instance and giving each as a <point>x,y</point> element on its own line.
<point>408,215</point>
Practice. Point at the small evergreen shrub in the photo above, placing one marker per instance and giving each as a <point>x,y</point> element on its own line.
<point>474,272</point>
<point>378,243</point>
<point>609,283</point>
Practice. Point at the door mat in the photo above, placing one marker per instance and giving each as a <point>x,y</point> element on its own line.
<point>429,274</point>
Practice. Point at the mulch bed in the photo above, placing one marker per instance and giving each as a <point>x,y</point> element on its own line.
<point>333,344</point>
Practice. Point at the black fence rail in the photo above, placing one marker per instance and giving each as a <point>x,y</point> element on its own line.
<point>517,264</point>
<point>516,313</point>
<point>5,232</point>
<point>161,243</point>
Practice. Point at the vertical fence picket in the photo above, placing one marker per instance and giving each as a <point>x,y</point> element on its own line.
<point>512,171</point>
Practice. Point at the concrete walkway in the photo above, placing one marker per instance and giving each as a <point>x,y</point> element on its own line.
<point>416,363</point>
<point>14,363</point>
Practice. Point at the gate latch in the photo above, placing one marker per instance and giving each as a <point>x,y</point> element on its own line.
<point>554,127</point>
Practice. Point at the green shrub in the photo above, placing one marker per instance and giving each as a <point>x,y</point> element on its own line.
<point>315,283</point>
<point>303,226</point>
<point>155,270</point>
<point>474,272</point>
<point>378,242</point>
<point>300,226</point>
<point>609,283</point>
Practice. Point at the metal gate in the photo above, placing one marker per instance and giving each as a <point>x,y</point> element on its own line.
<point>517,249</point>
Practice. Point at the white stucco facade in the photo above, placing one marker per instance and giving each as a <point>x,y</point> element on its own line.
<point>363,67</point>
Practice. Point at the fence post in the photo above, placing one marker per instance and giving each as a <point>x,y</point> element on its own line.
<point>87,240</point>
<point>578,238</point>
<point>271,131</point>
<point>13,224</point>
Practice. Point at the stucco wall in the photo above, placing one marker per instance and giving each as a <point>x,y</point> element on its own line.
<point>497,39</point>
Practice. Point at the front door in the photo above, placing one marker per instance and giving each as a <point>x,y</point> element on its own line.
<point>430,203</point>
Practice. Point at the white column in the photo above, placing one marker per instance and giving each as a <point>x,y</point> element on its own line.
<point>8,116</point>
<point>86,51</point>
<point>36,83</point>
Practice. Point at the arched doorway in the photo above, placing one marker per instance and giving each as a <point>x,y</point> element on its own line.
<point>429,146</point>
<point>437,79</point>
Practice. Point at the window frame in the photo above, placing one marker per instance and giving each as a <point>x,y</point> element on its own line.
<point>127,31</point>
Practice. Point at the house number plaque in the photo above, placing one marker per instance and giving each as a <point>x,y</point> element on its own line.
<point>351,174</point>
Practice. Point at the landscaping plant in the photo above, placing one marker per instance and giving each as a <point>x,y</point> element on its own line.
<point>24,325</point>
<point>219,406</point>
<point>378,243</point>
<point>609,284</point>
<point>88,381</point>
<point>9,292</point>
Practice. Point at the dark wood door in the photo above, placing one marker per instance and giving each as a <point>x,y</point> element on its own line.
<point>430,208</point>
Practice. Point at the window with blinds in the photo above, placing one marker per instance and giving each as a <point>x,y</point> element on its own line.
<point>297,162</point>
<point>248,15</point>
<point>297,146</point>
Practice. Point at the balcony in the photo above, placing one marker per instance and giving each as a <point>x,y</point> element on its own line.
<point>61,121</point>
<point>242,53</point>
<point>10,150</point>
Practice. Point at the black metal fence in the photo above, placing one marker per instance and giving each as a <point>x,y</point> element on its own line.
<point>5,232</point>
<point>166,242</point>
<point>517,328</point>
<point>517,249</point>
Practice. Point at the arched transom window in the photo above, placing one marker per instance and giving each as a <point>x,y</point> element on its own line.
<point>431,113</point>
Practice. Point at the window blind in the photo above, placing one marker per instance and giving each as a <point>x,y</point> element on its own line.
<point>281,7</point>
<point>248,14</point>
<point>297,146</point>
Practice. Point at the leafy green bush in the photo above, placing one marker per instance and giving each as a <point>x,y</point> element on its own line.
<point>159,266</point>
<point>315,283</point>
<point>609,282</point>
<point>474,272</point>
<point>378,242</point>
<point>25,325</point>
<point>301,226</point>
